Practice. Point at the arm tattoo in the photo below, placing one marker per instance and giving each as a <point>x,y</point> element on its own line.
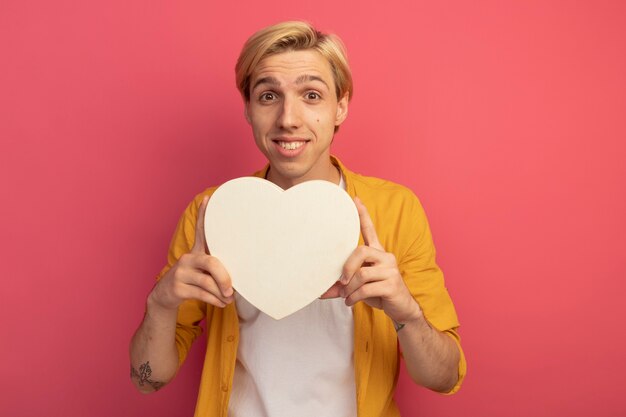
<point>144,376</point>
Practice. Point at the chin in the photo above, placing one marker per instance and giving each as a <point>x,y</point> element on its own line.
<point>290,171</point>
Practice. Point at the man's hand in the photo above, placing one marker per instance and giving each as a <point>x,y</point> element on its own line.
<point>371,275</point>
<point>197,275</point>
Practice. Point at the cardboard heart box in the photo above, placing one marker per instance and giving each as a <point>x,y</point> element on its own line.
<point>282,249</point>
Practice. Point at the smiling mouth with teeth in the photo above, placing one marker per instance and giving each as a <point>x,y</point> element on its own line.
<point>290,145</point>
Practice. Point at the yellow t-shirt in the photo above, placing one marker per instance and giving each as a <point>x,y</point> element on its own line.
<point>403,230</point>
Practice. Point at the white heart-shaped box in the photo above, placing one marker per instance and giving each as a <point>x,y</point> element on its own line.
<point>282,249</point>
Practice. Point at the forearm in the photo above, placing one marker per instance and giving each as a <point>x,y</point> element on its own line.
<point>432,357</point>
<point>153,353</point>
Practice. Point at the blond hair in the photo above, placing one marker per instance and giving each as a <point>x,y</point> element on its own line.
<point>293,36</point>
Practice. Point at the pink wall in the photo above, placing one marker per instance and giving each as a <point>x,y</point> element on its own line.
<point>506,118</point>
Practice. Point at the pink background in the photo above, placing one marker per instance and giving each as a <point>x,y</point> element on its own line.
<point>506,118</point>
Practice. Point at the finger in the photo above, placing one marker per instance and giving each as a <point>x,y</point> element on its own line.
<point>333,292</point>
<point>367,226</point>
<point>366,275</point>
<point>375,302</point>
<point>206,283</point>
<point>215,268</point>
<point>372,293</point>
<point>360,256</point>
<point>198,293</point>
<point>199,244</point>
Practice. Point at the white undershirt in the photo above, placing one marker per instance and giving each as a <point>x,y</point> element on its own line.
<point>301,365</point>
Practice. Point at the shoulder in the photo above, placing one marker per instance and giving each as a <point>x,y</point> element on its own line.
<point>378,193</point>
<point>194,205</point>
<point>365,183</point>
<point>189,217</point>
<point>395,210</point>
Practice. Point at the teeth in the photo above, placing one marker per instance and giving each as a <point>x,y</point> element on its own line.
<point>291,145</point>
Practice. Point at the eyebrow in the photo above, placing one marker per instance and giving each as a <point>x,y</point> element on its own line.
<point>300,80</point>
<point>306,78</point>
<point>266,80</point>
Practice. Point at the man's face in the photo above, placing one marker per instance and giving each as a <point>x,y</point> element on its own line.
<point>293,111</point>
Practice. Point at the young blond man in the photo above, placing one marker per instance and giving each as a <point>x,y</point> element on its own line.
<point>339,356</point>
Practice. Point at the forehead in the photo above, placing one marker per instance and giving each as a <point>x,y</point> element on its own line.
<point>291,65</point>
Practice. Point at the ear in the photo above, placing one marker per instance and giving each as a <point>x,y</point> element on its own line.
<point>245,112</point>
<point>342,110</point>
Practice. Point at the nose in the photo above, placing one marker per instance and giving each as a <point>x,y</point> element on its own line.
<point>289,117</point>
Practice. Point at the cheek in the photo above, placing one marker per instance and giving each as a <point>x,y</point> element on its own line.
<point>260,123</point>
<point>258,132</point>
<point>327,117</point>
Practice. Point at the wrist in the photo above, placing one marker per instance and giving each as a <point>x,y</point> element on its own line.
<point>157,309</point>
<point>414,316</point>
<point>398,326</point>
<point>414,313</point>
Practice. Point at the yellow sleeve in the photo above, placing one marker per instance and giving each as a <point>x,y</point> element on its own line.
<point>425,280</point>
<point>190,312</point>
<point>453,333</point>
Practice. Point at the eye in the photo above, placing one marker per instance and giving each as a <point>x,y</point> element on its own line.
<point>312,95</point>
<point>267,96</point>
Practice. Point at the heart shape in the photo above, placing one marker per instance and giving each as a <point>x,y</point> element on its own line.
<point>282,249</point>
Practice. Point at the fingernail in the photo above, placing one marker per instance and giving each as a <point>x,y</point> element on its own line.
<point>342,292</point>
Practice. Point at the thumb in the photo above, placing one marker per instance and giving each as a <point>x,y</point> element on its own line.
<point>199,244</point>
<point>333,292</point>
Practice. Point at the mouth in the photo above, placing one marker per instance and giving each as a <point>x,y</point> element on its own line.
<point>290,147</point>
